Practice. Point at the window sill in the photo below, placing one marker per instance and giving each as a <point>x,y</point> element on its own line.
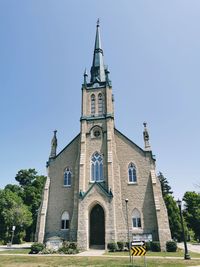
<point>96,137</point>
<point>64,229</point>
<point>132,183</point>
<point>100,181</point>
<point>67,186</point>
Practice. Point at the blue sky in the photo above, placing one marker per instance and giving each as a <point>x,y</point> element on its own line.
<point>152,49</point>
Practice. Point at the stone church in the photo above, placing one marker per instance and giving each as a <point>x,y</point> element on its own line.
<point>101,183</point>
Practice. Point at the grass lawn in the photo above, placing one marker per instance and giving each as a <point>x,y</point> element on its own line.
<point>179,253</point>
<point>61,261</point>
<point>16,251</point>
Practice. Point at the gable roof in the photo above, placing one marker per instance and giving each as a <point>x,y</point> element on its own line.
<point>129,140</point>
<point>107,193</point>
<point>67,145</point>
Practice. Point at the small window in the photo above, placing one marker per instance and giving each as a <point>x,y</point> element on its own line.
<point>100,104</point>
<point>97,167</point>
<point>97,133</point>
<point>65,221</point>
<point>92,104</point>
<point>132,177</point>
<point>136,219</point>
<point>67,177</point>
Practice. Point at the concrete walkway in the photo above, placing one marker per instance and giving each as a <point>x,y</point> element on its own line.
<point>191,247</point>
<point>92,252</point>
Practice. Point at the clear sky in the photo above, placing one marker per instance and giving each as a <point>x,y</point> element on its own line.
<point>152,49</point>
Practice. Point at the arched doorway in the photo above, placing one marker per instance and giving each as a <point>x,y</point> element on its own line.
<point>97,226</point>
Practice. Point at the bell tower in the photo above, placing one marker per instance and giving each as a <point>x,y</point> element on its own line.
<point>97,144</point>
<point>97,115</point>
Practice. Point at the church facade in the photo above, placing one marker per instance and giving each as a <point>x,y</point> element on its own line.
<point>101,183</point>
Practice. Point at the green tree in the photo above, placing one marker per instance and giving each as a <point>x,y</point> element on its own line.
<point>174,217</point>
<point>26,177</point>
<point>172,209</point>
<point>192,212</point>
<point>13,212</point>
<point>165,187</point>
<point>31,192</point>
<point>15,189</point>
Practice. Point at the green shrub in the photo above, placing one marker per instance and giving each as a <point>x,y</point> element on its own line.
<point>71,251</point>
<point>155,246</point>
<point>112,247</point>
<point>47,251</point>
<point>68,248</point>
<point>19,237</point>
<point>171,246</point>
<point>36,248</point>
<point>120,245</point>
<point>148,246</point>
<point>73,245</point>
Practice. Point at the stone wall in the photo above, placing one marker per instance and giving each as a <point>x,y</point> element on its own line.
<point>61,198</point>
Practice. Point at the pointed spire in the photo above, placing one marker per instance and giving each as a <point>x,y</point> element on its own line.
<point>97,70</point>
<point>53,146</point>
<point>147,146</point>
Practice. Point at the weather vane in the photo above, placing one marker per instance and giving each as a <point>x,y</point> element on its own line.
<point>98,21</point>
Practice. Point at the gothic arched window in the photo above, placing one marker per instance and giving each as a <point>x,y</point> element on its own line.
<point>97,167</point>
<point>65,220</point>
<point>100,104</point>
<point>92,104</point>
<point>136,219</point>
<point>67,177</point>
<point>132,177</point>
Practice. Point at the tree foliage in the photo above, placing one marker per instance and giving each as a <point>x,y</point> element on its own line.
<point>192,212</point>
<point>165,187</point>
<point>19,205</point>
<point>13,212</point>
<point>172,209</point>
<point>32,186</point>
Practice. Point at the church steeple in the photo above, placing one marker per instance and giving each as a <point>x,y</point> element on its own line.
<point>97,99</point>
<point>98,69</point>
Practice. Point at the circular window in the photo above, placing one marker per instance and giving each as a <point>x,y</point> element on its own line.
<point>97,133</point>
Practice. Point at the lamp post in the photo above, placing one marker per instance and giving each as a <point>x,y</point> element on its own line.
<point>128,237</point>
<point>187,255</point>
<point>13,230</point>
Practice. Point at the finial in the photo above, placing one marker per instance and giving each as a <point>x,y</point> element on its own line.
<point>98,22</point>
<point>53,145</point>
<point>85,73</point>
<point>147,146</point>
<point>85,77</point>
<point>107,77</point>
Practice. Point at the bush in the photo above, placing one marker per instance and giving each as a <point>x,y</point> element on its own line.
<point>36,248</point>
<point>171,246</point>
<point>155,246</point>
<point>73,245</point>
<point>120,245</point>
<point>68,248</point>
<point>112,247</point>
<point>19,237</point>
<point>148,246</point>
<point>47,251</point>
